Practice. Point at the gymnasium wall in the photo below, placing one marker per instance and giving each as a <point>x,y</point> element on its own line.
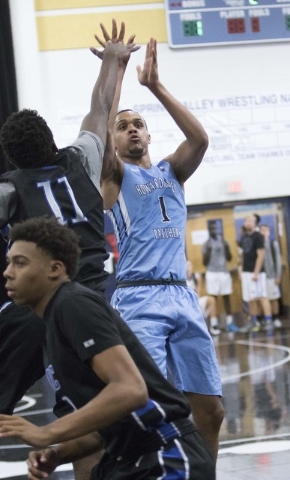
<point>240,93</point>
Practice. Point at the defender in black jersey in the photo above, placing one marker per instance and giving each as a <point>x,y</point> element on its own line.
<point>64,183</point>
<point>94,363</point>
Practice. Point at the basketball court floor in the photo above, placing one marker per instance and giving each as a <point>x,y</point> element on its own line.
<point>255,435</point>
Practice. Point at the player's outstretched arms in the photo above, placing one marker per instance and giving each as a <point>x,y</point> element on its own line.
<point>189,154</point>
<point>115,55</point>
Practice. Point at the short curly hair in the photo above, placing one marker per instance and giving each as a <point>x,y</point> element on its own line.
<point>27,140</point>
<point>57,240</point>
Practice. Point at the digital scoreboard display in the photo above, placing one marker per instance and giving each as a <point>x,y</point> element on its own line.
<point>197,23</point>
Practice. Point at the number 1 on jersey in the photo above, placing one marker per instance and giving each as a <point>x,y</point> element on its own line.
<point>164,215</point>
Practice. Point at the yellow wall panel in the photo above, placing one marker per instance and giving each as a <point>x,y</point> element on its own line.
<point>77,31</point>
<point>63,4</point>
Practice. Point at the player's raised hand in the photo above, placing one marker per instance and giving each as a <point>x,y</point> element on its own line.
<point>42,463</point>
<point>148,75</point>
<point>115,43</point>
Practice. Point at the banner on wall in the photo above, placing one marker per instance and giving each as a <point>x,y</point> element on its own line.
<point>241,128</point>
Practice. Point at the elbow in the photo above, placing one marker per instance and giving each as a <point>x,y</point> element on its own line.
<point>204,142</point>
<point>139,395</point>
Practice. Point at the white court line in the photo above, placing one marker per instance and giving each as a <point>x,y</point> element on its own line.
<point>15,469</point>
<point>35,412</point>
<point>257,448</point>
<point>30,402</point>
<point>261,369</point>
<point>253,439</point>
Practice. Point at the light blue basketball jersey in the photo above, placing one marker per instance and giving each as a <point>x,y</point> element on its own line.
<point>149,219</point>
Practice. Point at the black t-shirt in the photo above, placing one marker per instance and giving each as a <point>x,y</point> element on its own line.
<point>65,190</point>
<point>80,324</point>
<point>250,243</point>
<point>22,334</point>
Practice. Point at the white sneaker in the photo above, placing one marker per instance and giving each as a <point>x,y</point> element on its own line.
<point>215,330</point>
<point>277,323</point>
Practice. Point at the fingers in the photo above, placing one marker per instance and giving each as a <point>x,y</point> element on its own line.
<point>34,470</point>
<point>100,41</point>
<point>132,44</point>
<point>105,33</point>
<point>41,463</point>
<point>135,48</point>
<point>114,30</point>
<point>131,39</point>
<point>122,32</point>
<point>96,52</point>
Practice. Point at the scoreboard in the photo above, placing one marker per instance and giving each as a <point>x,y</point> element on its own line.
<point>197,23</point>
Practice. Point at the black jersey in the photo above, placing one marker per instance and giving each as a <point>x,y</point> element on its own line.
<point>250,243</point>
<point>22,334</point>
<point>81,324</point>
<point>64,189</point>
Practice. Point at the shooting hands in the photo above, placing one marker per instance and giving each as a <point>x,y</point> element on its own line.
<point>148,75</point>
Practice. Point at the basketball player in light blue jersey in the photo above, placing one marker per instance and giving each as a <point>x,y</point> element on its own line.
<point>147,207</point>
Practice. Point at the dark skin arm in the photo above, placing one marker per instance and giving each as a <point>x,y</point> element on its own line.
<point>206,254</point>
<point>188,156</point>
<point>228,252</point>
<point>115,54</point>
<point>43,462</point>
<point>125,391</point>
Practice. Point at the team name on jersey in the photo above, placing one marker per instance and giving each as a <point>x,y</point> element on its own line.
<point>146,188</point>
<point>160,233</point>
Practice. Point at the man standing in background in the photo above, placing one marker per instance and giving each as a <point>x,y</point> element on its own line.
<point>215,254</point>
<point>273,269</point>
<point>254,284</point>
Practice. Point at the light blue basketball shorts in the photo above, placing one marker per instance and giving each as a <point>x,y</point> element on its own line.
<point>168,321</point>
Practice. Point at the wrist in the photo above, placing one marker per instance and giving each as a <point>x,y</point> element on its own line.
<point>57,454</point>
<point>155,87</point>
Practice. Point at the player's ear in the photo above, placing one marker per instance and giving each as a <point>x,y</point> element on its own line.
<point>149,138</point>
<point>57,268</point>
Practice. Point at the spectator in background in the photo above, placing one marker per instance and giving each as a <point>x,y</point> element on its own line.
<point>215,255</point>
<point>273,269</point>
<point>253,276</point>
<point>207,303</point>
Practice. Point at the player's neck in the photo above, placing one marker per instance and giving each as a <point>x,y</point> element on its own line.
<point>143,161</point>
<point>40,306</point>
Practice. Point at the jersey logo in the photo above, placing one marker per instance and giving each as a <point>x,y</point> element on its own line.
<point>49,372</point>
<point>89,343</point>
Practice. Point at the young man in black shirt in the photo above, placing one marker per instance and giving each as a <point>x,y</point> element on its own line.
<point>94,362</point>
<point>64,183</point>
<point>254,286</point>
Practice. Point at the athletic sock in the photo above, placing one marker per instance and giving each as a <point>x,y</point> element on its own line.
<point>213,321</point>
<point>254,319</point>
<point>229,319</point>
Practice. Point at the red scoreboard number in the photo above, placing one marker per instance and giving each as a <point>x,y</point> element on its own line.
<point>236,25</point>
